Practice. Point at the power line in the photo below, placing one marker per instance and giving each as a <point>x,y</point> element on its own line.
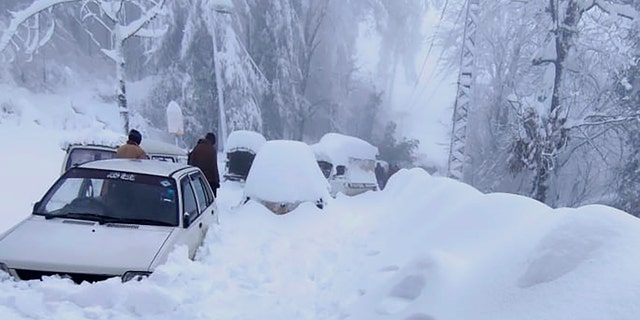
<point>413,95</point>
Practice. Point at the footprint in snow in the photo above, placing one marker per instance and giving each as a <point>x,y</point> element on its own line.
<point>402,294</point>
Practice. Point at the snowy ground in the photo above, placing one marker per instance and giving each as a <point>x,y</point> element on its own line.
<point>425,248</point>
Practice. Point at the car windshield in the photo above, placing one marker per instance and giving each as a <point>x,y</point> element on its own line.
<point>112,196</point>
<point>79,156</point>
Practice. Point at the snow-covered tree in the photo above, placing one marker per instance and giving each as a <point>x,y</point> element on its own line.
<point>535,122</point>
<point>186,60</point>
<point>121,20</point>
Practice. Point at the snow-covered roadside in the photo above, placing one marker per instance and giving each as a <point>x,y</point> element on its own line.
<point>31,161</point>
<point>425,248</point>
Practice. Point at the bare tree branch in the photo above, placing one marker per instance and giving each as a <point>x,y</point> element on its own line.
<point>136,26</point>
<point>22,16</point>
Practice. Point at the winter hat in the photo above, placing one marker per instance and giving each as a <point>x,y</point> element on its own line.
<point>135,136</point>
<point>211,137</point>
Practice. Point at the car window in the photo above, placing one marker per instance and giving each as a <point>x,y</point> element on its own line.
<point>80,156</point>
<point>162,158</point>
<point>73,188</point>
<point>203,193</point>
<point>113,196</point>
<point>326,168</point>
<point>189,204</point>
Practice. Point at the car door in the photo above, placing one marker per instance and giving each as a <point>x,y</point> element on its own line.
<point>198,203</point>
<point>193,226</point>
<point>205,199</point>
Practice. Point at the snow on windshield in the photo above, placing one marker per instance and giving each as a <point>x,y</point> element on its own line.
<point>286,171</point>
<point>244,139</point>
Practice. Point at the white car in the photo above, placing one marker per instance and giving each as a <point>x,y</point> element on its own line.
<point>285,174</point>
<point>348,163</point>
<point>82,152</point>
<point>110,218</point>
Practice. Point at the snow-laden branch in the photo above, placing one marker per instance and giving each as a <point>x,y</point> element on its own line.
<point>622,10</point>
<point>136,26</point>
<point>110,11</point>
<point>152,33</point>
<point>605,120</point>
<point>18,18</point>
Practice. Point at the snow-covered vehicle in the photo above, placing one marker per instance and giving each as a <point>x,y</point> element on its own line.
<point>285,174</point>
<point>110,218</point>
<point>347,162</point>
<point>84,150</point>
<point>241,148</point>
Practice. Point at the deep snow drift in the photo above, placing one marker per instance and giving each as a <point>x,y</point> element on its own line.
<point>424,248</point>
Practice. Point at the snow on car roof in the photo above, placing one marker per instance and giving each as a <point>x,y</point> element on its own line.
<point>161,147</point>
<point>151,167</point>
<point>102,137</point>
<point>339,148</point>
<point>113,139</point>
<point>286,171</point>
<point>244,139</point>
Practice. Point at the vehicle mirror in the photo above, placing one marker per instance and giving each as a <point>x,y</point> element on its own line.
<point>186,220</point>
<point>35,206</point>
<point>340,170</point>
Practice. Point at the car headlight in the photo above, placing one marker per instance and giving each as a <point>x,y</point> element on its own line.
<point>135,275</point>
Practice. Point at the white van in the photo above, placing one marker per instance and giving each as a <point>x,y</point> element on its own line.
<point>82,152</point>
<point>110,218</point>
<point>348,163</point>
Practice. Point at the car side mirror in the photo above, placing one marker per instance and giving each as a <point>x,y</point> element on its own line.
<point>340,170</point>
<point>186,220</point>
<point>35,207</point>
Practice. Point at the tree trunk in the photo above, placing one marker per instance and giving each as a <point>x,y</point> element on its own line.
<point>555,133</point>
<point>121,91</point>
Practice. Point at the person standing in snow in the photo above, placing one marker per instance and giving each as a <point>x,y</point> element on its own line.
<point>379,171</point>
<point>132,149</point>
<point>205,157</point>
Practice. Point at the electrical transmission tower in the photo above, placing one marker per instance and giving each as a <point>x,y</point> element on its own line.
<point>457,157</point>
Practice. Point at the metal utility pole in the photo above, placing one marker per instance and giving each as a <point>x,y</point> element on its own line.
<point>457,157</point>
<point>222,134</point>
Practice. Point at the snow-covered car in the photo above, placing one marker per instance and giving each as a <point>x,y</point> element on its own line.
<point>285,174</point>
<point>347,162</point>
<point>241,148</point>
<point>80,152</point>
<point>110,218</point>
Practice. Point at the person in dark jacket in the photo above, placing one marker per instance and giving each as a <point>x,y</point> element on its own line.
<point>380,175</point>
<point>205,157</point>
<point>132,149</point>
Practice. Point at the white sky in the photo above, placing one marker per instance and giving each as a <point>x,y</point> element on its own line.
<point>424,248</point>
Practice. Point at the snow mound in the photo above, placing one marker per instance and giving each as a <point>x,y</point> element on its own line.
<point>339,148</point>
<point>286,171</point>
<point>244,140</point>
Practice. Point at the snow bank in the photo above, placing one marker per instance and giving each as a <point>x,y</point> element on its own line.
<point>31,162</point>
<point>412,251</point>
<point>424,248</point>
<point>505,256</point>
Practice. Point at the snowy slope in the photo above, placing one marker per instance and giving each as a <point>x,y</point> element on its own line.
<point>424,248</point>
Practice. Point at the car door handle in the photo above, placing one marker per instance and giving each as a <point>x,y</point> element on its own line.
<point>200,225</point>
